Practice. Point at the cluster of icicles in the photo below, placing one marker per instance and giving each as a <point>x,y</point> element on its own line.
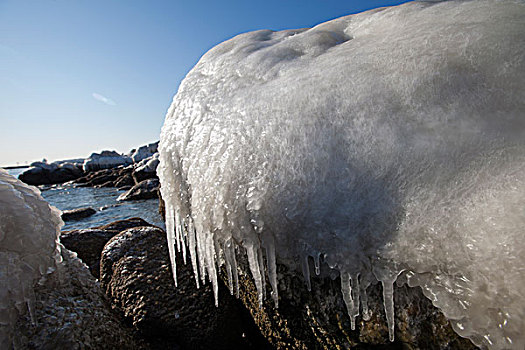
<point>182,236</point>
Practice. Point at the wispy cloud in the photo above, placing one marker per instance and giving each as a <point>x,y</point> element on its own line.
<point>103,99</point>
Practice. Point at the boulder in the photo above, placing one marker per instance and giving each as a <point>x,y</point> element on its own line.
<point>137,277</point>
<point>105,160</point>
<point>144,152</point>
<point>146,189</point>
<point>106,178</point>
<point>146,169</point>
<point>71,312</point>
<point>88,243</point>
<point>77,214</point>
<point>318,319</point>
<point>47,174</point>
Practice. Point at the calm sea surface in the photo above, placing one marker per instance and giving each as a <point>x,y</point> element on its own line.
<point>103,200</point>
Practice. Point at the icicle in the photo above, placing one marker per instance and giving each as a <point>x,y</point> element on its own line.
<point>364,300</point>
<point>317,257</point>
<point>193,252</point>
<point>355,296</point>
<point>235,272</point>
<point>306,271</point>
<point>178,232</point>
<point>388,300</point>
<point>350,290</point>
<point>171,240</point>
<point>272,267</point>
<point>212,270</point>
<point>262,269</point>
<point>228,258</point>
<point>182,232</point>
<point>254,267</point>
<point>201,251</point>
<point>346,290</point>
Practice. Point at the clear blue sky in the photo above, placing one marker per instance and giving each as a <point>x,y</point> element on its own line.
<point>79,76</point>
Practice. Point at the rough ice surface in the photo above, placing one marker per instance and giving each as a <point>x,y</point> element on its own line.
<point>29,250</point>
<point>390,143</point>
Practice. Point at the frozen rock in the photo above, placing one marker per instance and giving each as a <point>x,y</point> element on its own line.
<point>105,160</point>
<point>146,168</point>
<point>48,299</point>
<point>144,152</point>
<point>391,141</point>
<point>29,230</point>
<point>146,189</point>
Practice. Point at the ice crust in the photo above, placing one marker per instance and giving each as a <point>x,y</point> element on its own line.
<point>29,249</point>
<point>389,145</point>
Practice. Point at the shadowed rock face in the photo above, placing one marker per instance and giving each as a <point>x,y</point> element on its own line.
<point>136,276</point>
<point>88,243</point>
<point>146,189</point>
<point>318,319</point>
<point>72,313</point>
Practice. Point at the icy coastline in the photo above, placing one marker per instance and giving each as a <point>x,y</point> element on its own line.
<point>385,144</point>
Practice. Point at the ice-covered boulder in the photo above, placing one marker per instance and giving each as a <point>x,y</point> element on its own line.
<point>144,152</point>
<point>29,230</point>
<point>105,160</point>
<point>48,299</point>
<point>146,168</point>
<point>386,143</point>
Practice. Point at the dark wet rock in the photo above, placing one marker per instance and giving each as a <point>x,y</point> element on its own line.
<point>137,277</point>
<point>48,174</point>
<point>124,180</point>
<point>105,177</point>
<point>142,175</point>
<point>77,214</point>
<point>162,207</point>
<point>88,243</point>
<point>318,319</point>
<point>146,189</point>
<point>122,225</point>
<point>72,313</point>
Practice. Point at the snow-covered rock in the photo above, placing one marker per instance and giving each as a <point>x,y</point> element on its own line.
<point>388,144</point>
<point>146,168</point>
<point>144,152</point>
<point>105,160</point>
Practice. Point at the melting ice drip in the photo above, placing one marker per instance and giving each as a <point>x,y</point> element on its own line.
<point>29,250</point>
<point>391,142</point>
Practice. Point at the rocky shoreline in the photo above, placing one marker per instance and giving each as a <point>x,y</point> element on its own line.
<point>134,172</point>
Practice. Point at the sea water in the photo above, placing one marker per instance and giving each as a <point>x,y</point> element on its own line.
<point>103,200</point>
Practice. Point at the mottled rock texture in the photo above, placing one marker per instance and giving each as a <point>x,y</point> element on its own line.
<point>88,243</point>
<point>72,313</point>
<point>137,277</point>
<point>318,319</point>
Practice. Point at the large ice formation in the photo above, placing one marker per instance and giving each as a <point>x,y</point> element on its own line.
<point>29,249</point>
<point>391,143</point>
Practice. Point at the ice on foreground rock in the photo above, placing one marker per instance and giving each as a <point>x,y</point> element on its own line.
<point>391,143</point>
<point>29,250</point>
